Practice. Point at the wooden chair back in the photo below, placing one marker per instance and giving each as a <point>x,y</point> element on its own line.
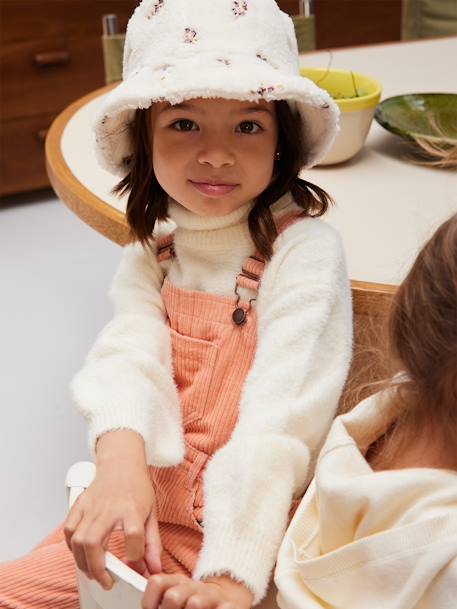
<point>371,305</point>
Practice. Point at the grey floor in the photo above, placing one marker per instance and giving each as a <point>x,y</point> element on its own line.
<point>54,277</point>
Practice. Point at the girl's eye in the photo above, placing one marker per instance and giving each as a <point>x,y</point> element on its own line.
<point>185,125</point>
<point>249,127</point>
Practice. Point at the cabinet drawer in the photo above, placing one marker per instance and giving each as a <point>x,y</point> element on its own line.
<point>43,76</point>
<point>22,159</point>
<point>29,19</point>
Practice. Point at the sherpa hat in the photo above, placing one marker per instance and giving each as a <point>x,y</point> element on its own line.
<point>234,49</point>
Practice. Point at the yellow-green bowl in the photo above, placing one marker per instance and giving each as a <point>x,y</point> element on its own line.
<point>357,97</point>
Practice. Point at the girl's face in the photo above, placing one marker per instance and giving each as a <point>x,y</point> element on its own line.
<point>214,155</point>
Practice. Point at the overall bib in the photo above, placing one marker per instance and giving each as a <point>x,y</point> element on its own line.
<point>214,340</point>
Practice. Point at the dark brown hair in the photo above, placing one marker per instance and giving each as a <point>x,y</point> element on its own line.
<point>148,202</point>
<point>421,341</point>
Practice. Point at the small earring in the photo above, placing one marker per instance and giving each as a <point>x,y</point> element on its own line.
<point>278,156</point>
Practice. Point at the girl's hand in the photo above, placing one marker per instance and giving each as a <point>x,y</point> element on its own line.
<point>181,592</point>
<point>120,497</point>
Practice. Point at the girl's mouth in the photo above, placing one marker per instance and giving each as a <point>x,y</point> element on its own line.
<point>213,190</point>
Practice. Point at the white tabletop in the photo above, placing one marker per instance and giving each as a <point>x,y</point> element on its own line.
<point>386,206</point>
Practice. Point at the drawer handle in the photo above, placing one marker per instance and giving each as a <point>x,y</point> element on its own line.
<point>41,135</point>
<point>54,58</point>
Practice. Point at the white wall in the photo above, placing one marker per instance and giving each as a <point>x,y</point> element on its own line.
<point>54,276</point>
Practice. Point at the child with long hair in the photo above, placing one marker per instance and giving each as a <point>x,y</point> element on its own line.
<point>218,377</point>
<point>377,526</point>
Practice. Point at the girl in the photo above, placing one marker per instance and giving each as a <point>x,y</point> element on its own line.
<point>219,375</point>
<point>378,525</point>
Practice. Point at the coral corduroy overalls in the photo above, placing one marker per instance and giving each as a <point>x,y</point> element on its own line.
<point>214,340</point>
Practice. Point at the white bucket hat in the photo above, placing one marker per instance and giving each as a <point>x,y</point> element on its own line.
<point>234,49</point>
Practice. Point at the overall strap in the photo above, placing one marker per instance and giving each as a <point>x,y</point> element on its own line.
<point>165,248</point>
<point>251,273</point>
<point>254,266</point>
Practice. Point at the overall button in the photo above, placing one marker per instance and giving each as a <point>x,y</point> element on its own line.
<point>239,316</point>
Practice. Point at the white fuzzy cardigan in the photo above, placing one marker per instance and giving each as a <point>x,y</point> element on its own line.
<point>290,395</point>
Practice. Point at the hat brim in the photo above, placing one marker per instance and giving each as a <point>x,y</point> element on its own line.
<point>243,78</point>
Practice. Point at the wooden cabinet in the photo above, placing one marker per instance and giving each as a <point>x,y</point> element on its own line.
<point>342,23</point>
<point>50,55</point>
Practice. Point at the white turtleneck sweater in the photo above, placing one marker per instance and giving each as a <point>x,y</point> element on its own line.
<point>289,397</point>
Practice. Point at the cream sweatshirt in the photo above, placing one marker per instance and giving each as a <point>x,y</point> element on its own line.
<point>290,395</point>
<point>364,539</point>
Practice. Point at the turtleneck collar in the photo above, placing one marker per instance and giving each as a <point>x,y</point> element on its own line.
<point>218,232</point>
<point>188,220</point>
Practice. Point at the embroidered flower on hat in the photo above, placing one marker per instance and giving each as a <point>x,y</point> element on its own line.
<point>158,4</point>
<point>262,91</point>
<point>190,35</point>
<point>262,57</point>
<point>240,7</point>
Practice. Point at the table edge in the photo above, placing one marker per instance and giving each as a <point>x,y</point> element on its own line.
<point>90,208</point>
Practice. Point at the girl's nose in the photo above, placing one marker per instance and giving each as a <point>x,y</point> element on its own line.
<point>216,155</point>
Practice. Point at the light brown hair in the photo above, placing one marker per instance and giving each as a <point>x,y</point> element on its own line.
<point>148,202</point>
<point>422,342</point>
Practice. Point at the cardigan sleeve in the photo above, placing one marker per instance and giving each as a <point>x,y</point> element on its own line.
<point>127,377</point>
<point>288,402</point>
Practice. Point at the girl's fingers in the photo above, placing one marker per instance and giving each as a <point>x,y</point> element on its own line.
<point>71,523</point>
<point>200,601</point>
<point>153,545</point>
<point>157,586</point>
<point>87,545</point>
<point>184,596</point>
<point>139,566</point>
<point>134,538</point>
<point>77,543</point>
<point>94,548</point>
<point>175,597</point>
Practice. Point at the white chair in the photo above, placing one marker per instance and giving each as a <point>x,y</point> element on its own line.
<point>129,586</point>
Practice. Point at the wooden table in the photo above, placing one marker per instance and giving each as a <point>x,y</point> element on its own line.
<point>386,206</point>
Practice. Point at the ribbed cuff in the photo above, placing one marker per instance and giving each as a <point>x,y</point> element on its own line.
<point>133,420</point>
<point>163,448</point>
<point>239,557</point>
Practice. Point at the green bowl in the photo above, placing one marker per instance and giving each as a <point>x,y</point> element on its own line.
<point>429,116</point>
